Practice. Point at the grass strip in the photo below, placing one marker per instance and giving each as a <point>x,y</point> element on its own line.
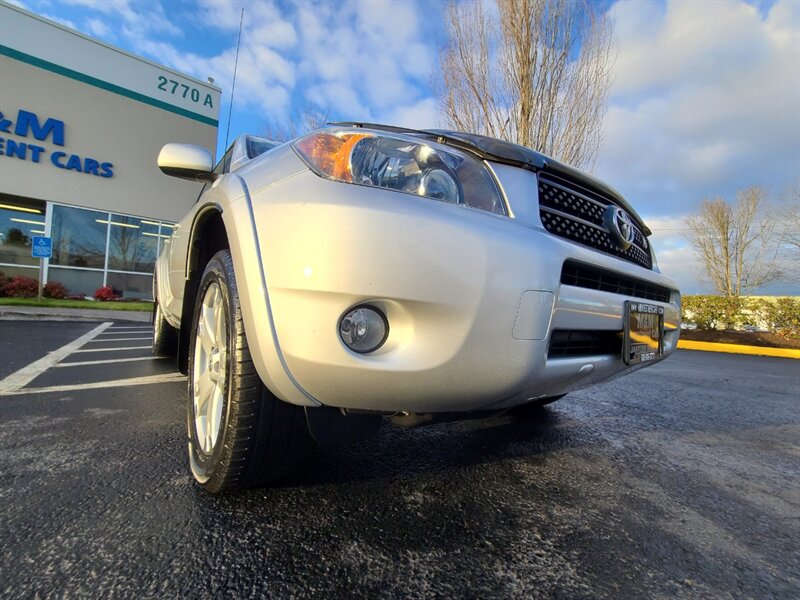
<point>94,305</point>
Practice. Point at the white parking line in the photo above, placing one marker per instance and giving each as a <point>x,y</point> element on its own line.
<point>26,374</point>
<point>112,349</point>
<point>119,339</point>
<point>84,363</point>
<point>165,378</point>
<point>131,327</point>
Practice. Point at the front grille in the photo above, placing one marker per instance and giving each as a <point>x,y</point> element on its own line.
<point>593,278</point>
<point>575,212</point>
<point>584,343</point>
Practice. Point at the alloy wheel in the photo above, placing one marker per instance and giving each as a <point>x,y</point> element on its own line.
<point>210,368</point>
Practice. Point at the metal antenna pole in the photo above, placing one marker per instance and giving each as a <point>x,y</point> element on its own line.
<point>233,84</point>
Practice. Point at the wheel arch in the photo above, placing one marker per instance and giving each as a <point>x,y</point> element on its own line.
<point>227,221</point>
<point>208,236</point>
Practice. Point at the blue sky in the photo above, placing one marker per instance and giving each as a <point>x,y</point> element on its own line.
<point>705,100</point>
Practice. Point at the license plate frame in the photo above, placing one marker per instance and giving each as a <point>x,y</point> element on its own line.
<point>644,333</point>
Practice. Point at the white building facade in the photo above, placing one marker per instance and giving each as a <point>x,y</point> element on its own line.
<point>81,125</point>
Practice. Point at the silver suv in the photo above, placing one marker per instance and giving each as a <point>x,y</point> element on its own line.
<point>364,272</point>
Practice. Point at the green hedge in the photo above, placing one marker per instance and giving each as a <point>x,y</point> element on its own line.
<point>779,315</point>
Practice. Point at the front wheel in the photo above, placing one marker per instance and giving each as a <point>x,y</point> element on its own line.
<point>240,434</point>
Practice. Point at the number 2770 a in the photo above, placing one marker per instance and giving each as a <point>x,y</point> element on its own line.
<point>177,88</point>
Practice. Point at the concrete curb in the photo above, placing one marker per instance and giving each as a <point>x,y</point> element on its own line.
<point>41,313</point>
<point>738,349</point>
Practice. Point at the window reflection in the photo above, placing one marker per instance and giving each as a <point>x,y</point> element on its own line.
<point>128,286</point>
<point>77,281</point>
<point>90,248</point>
<point>133,244</point>
<point>79,237</point>
<point>18,225</point>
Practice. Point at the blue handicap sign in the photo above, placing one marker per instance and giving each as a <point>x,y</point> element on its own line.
<point>42,247</point>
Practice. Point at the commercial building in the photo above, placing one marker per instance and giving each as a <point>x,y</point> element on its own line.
<point>81,125</point>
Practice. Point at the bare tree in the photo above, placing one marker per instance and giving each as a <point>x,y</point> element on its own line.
<point>533,72</point>
<point>308,118</point>
<point>737,243</point>
<point>129,250</point>
<point>790,218</point>
<point>789,231</point>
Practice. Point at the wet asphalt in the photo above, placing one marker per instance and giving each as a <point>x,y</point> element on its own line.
<point>681,480</point>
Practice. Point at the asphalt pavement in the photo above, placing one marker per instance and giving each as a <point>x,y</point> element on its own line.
<point>681,480</point>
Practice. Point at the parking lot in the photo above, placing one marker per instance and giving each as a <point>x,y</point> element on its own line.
<point>682,480</point>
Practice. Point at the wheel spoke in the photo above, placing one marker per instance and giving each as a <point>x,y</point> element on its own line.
<point>209,330</point>
<point>201,405</point>
<point>223,365</point>
<point>215,413</point>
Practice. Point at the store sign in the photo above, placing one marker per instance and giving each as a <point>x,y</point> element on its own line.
<point>48,130</point>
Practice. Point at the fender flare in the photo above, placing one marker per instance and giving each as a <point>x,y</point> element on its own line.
<point>239,222</point>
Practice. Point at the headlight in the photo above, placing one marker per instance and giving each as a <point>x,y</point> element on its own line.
<point>403,164</point>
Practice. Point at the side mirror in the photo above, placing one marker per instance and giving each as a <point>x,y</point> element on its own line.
<point>186,161</point>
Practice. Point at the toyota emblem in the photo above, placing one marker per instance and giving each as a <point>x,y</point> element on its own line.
<point>619,224</point>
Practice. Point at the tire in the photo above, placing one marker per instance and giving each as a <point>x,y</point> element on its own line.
<point>165,336</point>
<point>536,408</point>
<point>242,435</point>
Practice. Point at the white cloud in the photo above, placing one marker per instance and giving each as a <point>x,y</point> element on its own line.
<point>99,28</point>
<point>706,100</point>
<point>338,99</point>
<point>138,19</point>
<point>676,258</point>
<point>264,23</point>
<point>373,57</point>
<point>58,19</point>
<point>351,59</point>
<point>423,114</point>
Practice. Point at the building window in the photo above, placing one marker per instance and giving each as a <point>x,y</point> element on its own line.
<point>79,237</point>
<point>128,285</point>
<point>19,223</point>
<point>92,249</point>
<point>132,244</point>
<point>79,282</point>
<point>19,271</point>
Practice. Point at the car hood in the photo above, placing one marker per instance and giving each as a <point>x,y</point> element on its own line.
<point>496,150</point>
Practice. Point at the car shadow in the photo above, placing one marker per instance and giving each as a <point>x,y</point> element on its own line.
<point>397,451</point>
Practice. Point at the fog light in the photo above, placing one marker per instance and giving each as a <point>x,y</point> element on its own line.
<point>363,329</point>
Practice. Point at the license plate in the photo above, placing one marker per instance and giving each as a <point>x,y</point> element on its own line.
<point>644,333</point>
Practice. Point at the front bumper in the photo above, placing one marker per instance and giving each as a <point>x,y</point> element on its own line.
<point>471,299</point>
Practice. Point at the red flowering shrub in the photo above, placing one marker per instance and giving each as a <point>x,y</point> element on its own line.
<point>105,293</point>
<point>55,290</point>
<point>21,287</point>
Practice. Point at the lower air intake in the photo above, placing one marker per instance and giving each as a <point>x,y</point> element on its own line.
<point>584,343</point>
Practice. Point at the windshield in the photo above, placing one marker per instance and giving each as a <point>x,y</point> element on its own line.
<point>259,145</point>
